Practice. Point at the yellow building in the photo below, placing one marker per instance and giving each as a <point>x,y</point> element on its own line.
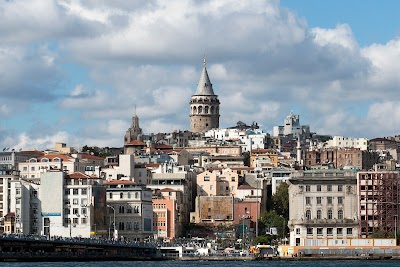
<point>263,158</point>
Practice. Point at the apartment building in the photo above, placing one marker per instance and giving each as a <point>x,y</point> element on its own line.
<point>130,210</point>
<point>217,183</point>
<point>323,204</point>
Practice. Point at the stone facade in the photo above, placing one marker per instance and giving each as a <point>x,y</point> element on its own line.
<point>204,105</point>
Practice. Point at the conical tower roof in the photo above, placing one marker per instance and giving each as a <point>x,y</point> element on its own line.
<point>205,86</point>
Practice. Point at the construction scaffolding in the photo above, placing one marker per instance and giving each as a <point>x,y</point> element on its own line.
<point>378,203</point>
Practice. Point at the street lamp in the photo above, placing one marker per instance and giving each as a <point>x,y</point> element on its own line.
<point>111,207</point>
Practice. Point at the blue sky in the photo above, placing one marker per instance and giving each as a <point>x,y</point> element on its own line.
<point>72,71</point>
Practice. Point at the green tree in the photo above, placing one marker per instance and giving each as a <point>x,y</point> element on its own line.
<point>280,200</point>
<point>271,219</point>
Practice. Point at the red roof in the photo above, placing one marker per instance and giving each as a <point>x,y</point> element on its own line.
<point>136,143</point>
<point>10,214</point>
<point>117,182</point>
<point>152,165</point>
<point>79,175</point>
<point>168,190</point>
<point>88,156</point>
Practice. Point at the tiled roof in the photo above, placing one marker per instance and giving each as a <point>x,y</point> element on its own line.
<point>168,190</point>
<point>136,143</point>
<point>162,146</point>
<point>79,175</point>
<point>152,165</point>
<point>88,156</point>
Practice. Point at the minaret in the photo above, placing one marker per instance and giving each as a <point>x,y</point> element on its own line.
<point>204,105</point>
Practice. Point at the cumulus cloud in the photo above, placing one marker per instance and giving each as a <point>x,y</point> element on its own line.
<point>146,58</point>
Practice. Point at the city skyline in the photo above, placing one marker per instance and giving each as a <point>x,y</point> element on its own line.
<point>76,73</point>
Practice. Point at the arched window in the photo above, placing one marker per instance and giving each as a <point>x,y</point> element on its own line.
<point>308,214</point>
<point>206,109</point>
<point>121,195</point>
<point>136,195</point>
<point>329,214</point>
<point>56,160</point>
<point>129,194</point>
<point>212,110</point>
<point>194,110</point>
<point>33,160</point>
<point>44,160</point>
<point>319,214</point>
<point>200,110</point>
<point>121,226</point>
<point>340,214</point>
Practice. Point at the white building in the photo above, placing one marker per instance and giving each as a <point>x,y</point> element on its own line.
<point>345,142</point>
<point>291,126</point>
<point>323,205</point>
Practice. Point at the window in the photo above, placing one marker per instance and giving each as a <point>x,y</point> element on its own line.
<point>110,195</point>
<point>75,211</point>
<point>329,214</point>
<point>75,220</point>
<point>309,231</point>
<point>308,200</point>
<point>319,188</point>
<point>121,195</point>
<point>319,231</point>
<point>349,231</point>
<point>75,191</point>
<point>329,231</point>
<point>136,195</point>
<point>75,201</point>
<point>340,200</point>
<point>121,209</point>
<point>308,187</point>
<point>329,199</point>
<point>83,210</point>
<point>308,214</point>
<point>319,200</point>
<point>83,191</point>
<point>339,231</point>
<point>206,178</point>
<point>66,192</point>
<point>340,214</point>
<point>319,214</point>
<point>129,209</point>
<point>329,187</point>
<point>129,194</point>
<point>340,188</point>
<point>32,168</point>
<point>297,231</point>
<point>83,221</point>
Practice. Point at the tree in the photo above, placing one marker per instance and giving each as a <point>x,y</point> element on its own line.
<point>271,219</point>
<point>280,200</point>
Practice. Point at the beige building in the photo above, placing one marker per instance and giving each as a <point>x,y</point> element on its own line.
<point>322,204</point>
<point>217,183</point>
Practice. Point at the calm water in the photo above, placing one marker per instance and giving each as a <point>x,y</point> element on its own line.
<point>370,263</point>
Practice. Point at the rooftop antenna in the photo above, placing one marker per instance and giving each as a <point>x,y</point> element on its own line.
<point>204,59</point>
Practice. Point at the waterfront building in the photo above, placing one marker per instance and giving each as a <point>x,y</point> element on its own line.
<point>130,212</point>
<point>167,208</point>
<point>323,204</point>
<point>204,105</point>
<point>378,193</point>
<point>59,204</point>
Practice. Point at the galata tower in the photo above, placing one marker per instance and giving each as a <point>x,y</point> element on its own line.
<point>204,105</point>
